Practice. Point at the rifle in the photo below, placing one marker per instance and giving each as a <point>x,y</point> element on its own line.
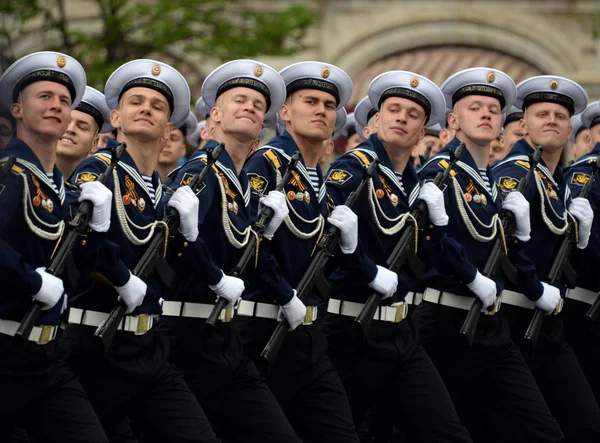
<point>153,258</point>
<point>404,251</point>
<point>60,258</point>
<point>324,250</point>
<point>259,227</point>
<point>497,259</point>
<point>560,268</point>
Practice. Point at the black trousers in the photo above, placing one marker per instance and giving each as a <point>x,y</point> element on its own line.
<point>40,393</point>
<point>303,380</point>
<point>584,337</point>
<point>135,379</point>
<point>492,387</point>
<point>391,369</point>
<point>234,395</point>
<point>559,375</point>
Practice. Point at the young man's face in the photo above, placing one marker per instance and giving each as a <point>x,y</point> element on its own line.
<point>595,134</point>
<point>352,142</point>
<point>310,113</point>
<point>174,148</point>
<point>512,134</point>
<point>6,129</point>
<point>400,122</point>
<point>478,118</point>
<point>498,150</point>
<point>103,140</point>
<point>79,137</point>
<point>240,112</point>
<point>142,114</point>
<point>44,109</point>
<point>547,125</point>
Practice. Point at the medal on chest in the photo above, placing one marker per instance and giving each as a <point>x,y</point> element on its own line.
<point>387,190</point>
<point>302,194</point>
<point>41,199</point>
<point>472,194</point>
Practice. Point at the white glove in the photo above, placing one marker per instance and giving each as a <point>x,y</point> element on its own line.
<point>229,288</point>
<point>385,282</point>
<point>277,202</point>
<point>549,299</point>
<point>580,209</point>
<point>185,202</point>
<point>484,288</point>
<point>434,197</point>
<point>101,197</point>
<point>132,293</point>
<point>346,221</point>
<point>516,203</point>
<point>51,291</point>
<point>294,312</point>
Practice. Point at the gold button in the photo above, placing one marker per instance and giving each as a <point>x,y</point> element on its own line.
<point>430,226</point>
<point>428,238</point>
<point>83,242</point>
<point>179,254</point>
<point>185,244</point>
<point>516,242</point>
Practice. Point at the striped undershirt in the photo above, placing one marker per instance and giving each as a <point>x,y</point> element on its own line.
<point>150,186</point>
<point>483,173</point>
<point>51,177</point>
<point>314,179</point>
<point>399,175</point>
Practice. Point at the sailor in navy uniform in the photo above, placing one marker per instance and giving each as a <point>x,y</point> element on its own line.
<point>390,367</point>
<point>134,378</point>
<point>491,379</point>
<point>302,377</point>
<point>88,120</point>
<point>240,406</point>
<point>583,337</point>
<point>39,390</point>
<point>548,103</point>
<point>364,114</point>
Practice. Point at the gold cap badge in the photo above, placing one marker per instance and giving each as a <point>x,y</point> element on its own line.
<point>491,77</point>
<point>554,85</point>
<point>258,71</point>
<point>155,70</point>
<point>414,82</point>
<point>325,72</point>
<point>61,62</point>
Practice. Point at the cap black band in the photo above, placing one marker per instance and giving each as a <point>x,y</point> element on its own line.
<point>550,97</point>
<point>351,131</point>
<point>513,117</point>
<point>432,132</point>
<point>581,128</point>
<point>409,94</point>
<point>246,82</point>
<point>595,121</point>
<point>150,83</point>
<point>371,113</point>
<point>44,75</point>
<point>485,90</point>
<point>94,112</point>
<point>314,83</point>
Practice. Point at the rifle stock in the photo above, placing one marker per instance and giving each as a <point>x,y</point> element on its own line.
<point>403,248</point>
<point>493,264</point>
<point>559,269</point>
<point>249,251</point>
<point>78,225</point>
<point>153,254</point>
<point>324,250</point>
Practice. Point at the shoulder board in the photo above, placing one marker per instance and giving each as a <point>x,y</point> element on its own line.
<point>362,157</point>
<point>105,158</point>
<point>17,169</point>
<point>273,158</point>
<point>444,164</point>
<point>592,160</point>
<point>523,163</point>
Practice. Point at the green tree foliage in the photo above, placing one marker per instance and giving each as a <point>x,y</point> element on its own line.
<point>170,29</point>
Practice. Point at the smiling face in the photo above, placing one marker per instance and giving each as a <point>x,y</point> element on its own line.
<point>310,113</point>
<point>43,109</point>
<point>400,122</point>
<point>477,118</point>
<point>239,112</point>
<point>547,125</point>
<point>142,114</point>
<point>79,138</point>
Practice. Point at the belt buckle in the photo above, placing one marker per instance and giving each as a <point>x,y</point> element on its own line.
<point>401,311</point>
<point>495,307</point>
<point>559,307</point>
<point>45,334</point>
<point>309,317</point>
<point>143,324</point>
<point>226,315</point>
